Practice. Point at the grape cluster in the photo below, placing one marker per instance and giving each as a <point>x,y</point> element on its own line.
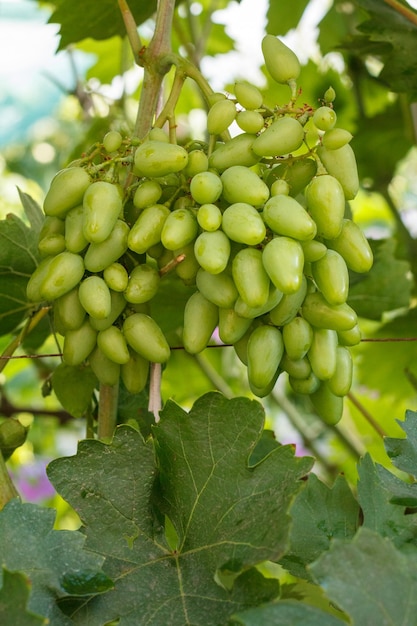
<point>254,224</point>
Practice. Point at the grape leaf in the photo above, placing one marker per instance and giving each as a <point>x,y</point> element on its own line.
<point>378,492</point>
<point>29,544</point>
<point>403,452</point>
<point>286,613</point>
<point>370,580</point>
<point>221,515</point>
<point>319,514</point>
<point>386,287</point>
<point>74,386</point>
<point>33,212</point>
<point>282,16</point>
<point>13,601</point>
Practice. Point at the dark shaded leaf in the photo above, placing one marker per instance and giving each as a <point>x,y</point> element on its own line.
<point>286,613</point>
<point>14,596</point>
<point>74,387</point>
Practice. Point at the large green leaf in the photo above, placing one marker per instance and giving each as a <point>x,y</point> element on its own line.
<point>286,613</point>
<point>169,526</point>
<point>403,452</point>
<point>370,580</point>
<point>282,16</point>
<point>14,596</point>
<point>319,515</point>
<point>52,559</point>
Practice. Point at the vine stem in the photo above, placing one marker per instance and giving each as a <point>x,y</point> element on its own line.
<point>107,411</point>
<point>409,14</point>
<point>7,489</point>
<point>369,418</point>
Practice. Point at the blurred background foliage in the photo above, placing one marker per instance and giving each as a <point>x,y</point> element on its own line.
<point>65,86</point>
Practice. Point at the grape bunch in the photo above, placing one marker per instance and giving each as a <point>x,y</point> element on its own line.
<point>255,225</point>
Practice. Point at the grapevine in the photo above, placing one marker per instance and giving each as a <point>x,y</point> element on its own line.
<point>255,225</point>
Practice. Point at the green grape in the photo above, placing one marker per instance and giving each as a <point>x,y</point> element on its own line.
<point>116,277</point>
<point>326,205</point>
<point>280,187</point>
<point>33,287</point>
<point>112,141</point>
<point>102,207</point>
<point>248,95</point>
<point>322,353</point>
<point>78,344</point>
<point>62,274</point>
<point>285,216</point>
<point>321,314</point>
<point>284,136</point>
<point>242,223</point>
<point>289,305</point>
<point>262,392</point>
<point>298,337</point>
<point>118,304</point>
<point>296,368</point>
<point>147,193</point>
<point>99,255</point>
<point>179,229</point>
<point>250,121</point>
<point>197,162</point>
<point>328,406</point>
<point>200,319</point>
<point>241,184</point>
<point>297,173</point>
<point>341,381</point>
<point>306,386</point>
<point>135,372</point>
<point>212,251</point>
<point>218,288</point>
<point>112,343</point>
<point>95,297</point>
<point>187,269</point>
<point>250,312</point>
<point>206,187</point>
<point>146,231</point>
<point>283,260</point>
<point>241,345</point>
<point>341,164</point>
<point>313,250</point>
<point>144,335</point>
<point>12,435</point>
<point>331,276</point>
<point>66,191</point>
<point>329,95</point>
<point>107,371</point>
<point>209,217</point>
<point>155,158</point>
<point>264,352</point>
<point>336,138</point>
<point>324,118</point>
<point>143,284</point>
<point>158,134</point>
<point>70,310</point>
<point>353,246</point>
<point>74,236</point>
<point>237,151</point>
<point>232,326</point>
<point>51,239</point>
<point>350,337</point>
<point>250,277</point>
<point>281,62</point>
<point>221,114</point>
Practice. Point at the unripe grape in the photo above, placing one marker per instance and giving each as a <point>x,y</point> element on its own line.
<point>102,204</point>
<point>283,260</point>
<point>66,191</point>
<point>135,373</point>
<point>298,337</point>
<point>200,319</point>
<point>212,251</point>
<point>106,370</point>
<point>250,312</point>
<point>154,158</point>
<point>264,352</point>
<point>331,276</point>
<point>280,187</point>
<point>116,277</point>
<point>322,353</point>
<point>112,343</point>
<point>148,193</point>
<point>74,237</point>
<point>295,368</point>
<point>197,163</point>
<point>143,284</point>
<point>313,250</point>
<point>297,174</point>
<point>51,239</point>
<point>321,314</point>
<point>241,184</point>
<point>248,95</point>
<point>285,135</point>
<point>353,246</point>
<point>218,288</point>
<point>144,335</point>
<point>95,297</point>
<point>147,229</point>
<point>281,62</point>
<point>324,118</point>
<point>285,216</point>
<point>179,229</point>
<point>232,326</point>
<point>336,138</point>
<point>341,164</point>
<point>242,223</point>
<point>350,337</point>
<point>70,310</point>
<point>306,386</point>
<point>206,187</point>
<point>329,95</point>
<point>99,255</point>
<point>78,344</point>
<point>250,277</point>
<point>326,205</point>
<point>209,217</point>
<point>33,287</point>
<point>289,305</point>
<point>187,269</point>
<point>62,274</point>
<point>250,121</point>
<point>221,114</point>
<point>341,381</point>
<point>237,151</point>
<point>328,406</point>
<point>118,304</point>
<point>112,141</point>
